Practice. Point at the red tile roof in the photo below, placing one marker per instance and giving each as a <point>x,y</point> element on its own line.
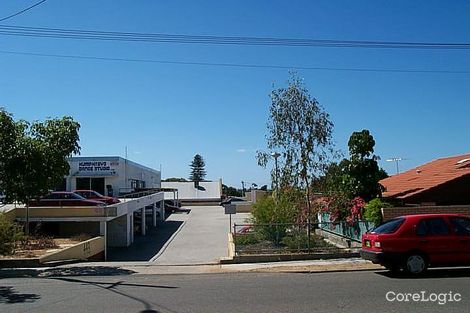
<point>426,176</point>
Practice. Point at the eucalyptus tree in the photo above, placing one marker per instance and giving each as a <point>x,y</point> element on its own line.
<point>300,130</point>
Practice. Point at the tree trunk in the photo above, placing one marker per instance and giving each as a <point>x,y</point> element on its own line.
<point>26,228</point>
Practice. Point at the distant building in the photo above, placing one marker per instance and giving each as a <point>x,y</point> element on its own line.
<point>110,175</point>
<point>444,181</point>
<point>208,191</point>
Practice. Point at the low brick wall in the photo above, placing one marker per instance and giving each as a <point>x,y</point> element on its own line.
<point>389,213</point>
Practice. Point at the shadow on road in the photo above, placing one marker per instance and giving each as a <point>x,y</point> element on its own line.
<point>431,273</point>
<point>85,271</point>
<point>65,271</point>
<point>145,247</point>
<point>8,295</point>
<point>116,288</point>
<point>110,285</point>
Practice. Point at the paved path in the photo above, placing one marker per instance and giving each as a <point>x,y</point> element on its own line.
<point>202,238</point>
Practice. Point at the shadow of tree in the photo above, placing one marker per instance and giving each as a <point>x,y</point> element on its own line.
<point>111,285</point>
<point>85,271</point>
<point>9,295</point>
<point>114,288</point>
<point>65,271</point>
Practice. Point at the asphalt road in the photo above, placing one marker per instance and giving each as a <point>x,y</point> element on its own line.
<point>238,292</point>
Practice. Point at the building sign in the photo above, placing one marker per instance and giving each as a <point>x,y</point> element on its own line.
<point>98,167</point>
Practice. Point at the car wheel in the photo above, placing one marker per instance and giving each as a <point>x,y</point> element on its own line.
<point>415,264</point>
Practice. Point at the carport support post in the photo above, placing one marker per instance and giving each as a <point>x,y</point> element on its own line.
<point>143,222</point>
<point>154,214</point>
<point>132,227</point>
<point>104,233</point>
<point>162,210</point>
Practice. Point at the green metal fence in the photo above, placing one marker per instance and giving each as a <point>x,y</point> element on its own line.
<point>352,231</point>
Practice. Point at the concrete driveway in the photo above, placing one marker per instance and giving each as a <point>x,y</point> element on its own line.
<point>201,239</point>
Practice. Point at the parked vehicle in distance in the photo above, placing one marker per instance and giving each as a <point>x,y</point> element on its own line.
<point>174,206</point>
<point>229,200</point>
<point>415,242</point>
<point>64,198</point>
<point>93,195</point>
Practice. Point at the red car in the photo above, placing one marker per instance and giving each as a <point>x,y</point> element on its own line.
<point>415,242</point>
<point>93,195</point>
<point>63,198</point>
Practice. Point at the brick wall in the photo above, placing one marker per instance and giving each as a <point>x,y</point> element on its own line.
<point>389,213</point>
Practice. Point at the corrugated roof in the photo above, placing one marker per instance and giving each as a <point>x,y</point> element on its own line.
<point>426,176</point>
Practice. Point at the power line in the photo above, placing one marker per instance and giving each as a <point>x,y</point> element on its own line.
<point>22,11</point>
<point>233,65</point>
<point>62,33</point>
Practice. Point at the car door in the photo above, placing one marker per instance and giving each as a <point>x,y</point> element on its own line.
<point>461,229</point>
<point>435,239</point>
<point>50,200</point>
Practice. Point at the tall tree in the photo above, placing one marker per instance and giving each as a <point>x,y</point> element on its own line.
<point>364,171</point>
<point>198,172</point>
<point>301,131</point>
<point>357,176</point>
<point>33,156</point>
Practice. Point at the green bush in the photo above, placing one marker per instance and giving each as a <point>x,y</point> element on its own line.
<point>246,239</point>
<point>10,234</point>
<point>296,240</point>
<point>372,210</point>
<point>283,210</point>
<point>279,209</point>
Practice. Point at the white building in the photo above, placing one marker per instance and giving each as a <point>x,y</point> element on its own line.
<point>110,175</point>
<point>208,191</point>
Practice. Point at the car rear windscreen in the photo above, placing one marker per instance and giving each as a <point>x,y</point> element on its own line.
<point>389,227</point>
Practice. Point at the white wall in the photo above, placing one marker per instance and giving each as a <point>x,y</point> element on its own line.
<point>115,170</point>
<point>186,190</point>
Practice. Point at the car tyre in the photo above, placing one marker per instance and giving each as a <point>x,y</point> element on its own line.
<point>415,264</point>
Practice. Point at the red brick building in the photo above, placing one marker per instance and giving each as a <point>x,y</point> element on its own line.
<point>444,181</point>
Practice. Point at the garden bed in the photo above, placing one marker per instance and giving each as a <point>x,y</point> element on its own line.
<point>36,247</point>
<point>254,243</point>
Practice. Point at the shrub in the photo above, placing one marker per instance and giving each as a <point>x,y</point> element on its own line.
<point>246,239</point>
<point>373,211</point>
<point>281,211</point>
<point>10,234</point>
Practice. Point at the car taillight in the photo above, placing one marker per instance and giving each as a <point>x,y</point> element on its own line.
<point>377,244</point>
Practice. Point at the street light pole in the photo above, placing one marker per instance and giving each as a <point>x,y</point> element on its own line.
<point>276,155</point>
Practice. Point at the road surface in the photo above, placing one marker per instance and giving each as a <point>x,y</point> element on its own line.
<point>236,292</point>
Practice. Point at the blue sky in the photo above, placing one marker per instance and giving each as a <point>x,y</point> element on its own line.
<point>167,113</point>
